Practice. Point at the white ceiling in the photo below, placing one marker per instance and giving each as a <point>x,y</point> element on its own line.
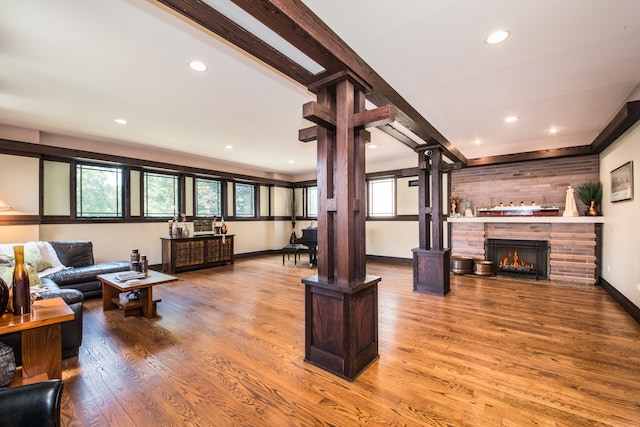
<point>73,66</point>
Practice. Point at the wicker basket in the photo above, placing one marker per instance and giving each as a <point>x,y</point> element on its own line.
<point>7,364</point>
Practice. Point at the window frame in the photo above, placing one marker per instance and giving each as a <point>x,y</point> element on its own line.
<point>77,181</point>
<point>370,198</point>
<point>178,200</point>
<point>307,198</point>
<point>221,194</point>
<point>254,200</point>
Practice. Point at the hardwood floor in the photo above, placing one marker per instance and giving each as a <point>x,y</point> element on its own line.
<point>227,350</point>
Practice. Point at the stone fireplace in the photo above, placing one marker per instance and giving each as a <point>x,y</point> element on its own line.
<point>573,243</point>
<point>519,258</point>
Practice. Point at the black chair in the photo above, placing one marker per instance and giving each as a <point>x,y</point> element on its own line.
<point>31,405</point>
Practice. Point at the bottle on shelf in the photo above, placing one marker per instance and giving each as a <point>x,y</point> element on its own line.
<point>21,290</point>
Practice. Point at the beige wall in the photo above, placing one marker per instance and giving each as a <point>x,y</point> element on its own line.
<point>115,241</point>
<point>392,238</point>
<point>19,184</point>
<point>19,187</point>
<point>621,230</point>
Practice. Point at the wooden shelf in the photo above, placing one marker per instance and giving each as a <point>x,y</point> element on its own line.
<point>132,308</point>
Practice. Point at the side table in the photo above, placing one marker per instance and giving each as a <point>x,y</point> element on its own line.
<point>41,338</point>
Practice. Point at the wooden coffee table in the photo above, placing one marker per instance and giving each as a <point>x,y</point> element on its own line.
<point>41,338</point>
<point>113,295</point>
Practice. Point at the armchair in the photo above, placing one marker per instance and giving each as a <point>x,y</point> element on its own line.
<point>32,405</point>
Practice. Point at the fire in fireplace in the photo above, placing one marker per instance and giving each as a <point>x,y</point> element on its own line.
<point>523,258</point>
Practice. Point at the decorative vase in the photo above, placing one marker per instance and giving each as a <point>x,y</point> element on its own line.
<point>591,210</point>
<point>223,228</point>
<point>4,296</point>
<point>144,265</point>
<point>21,290</point>
<point>292,239</point>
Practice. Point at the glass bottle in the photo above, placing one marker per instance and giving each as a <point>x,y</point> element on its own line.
<point>21,290</point>
<point>144,265</point>
<point>135,258</point>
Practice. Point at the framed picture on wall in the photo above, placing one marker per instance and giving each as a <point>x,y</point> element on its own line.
<point>622,183</point>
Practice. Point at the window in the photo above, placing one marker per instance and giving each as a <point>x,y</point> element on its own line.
<point>160,195</point>
<point>245,200</point>
<point>312,202</point>
<point>99,191</point>
<point>382,197</point>
<point>208,198</point>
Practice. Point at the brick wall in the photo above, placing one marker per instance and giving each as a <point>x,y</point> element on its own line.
<point>536,180</point>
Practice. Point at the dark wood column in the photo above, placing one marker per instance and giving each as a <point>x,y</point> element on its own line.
<point>341,301</point>
<point>431,262</point>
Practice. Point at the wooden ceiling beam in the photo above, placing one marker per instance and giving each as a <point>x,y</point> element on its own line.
<point>297,24</point>
<point>531,155</point>
<point>212,20</point>
<point>628,115</point>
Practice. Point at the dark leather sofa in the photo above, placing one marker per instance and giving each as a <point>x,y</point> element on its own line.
<point>78,254</point>
<point>73,285</point>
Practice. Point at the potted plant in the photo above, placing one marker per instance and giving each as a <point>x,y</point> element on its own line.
<point>590,193</point>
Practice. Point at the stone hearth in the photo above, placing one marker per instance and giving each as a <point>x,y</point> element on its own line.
<point>574,243</point>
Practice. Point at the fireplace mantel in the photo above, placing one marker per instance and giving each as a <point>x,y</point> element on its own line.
<point>531,219</point>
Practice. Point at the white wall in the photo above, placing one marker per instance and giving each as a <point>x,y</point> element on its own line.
<point>621,229</point>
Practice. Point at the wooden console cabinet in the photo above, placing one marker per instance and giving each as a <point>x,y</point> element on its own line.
<point>190,253</point>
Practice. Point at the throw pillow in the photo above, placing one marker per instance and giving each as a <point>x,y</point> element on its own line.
<point>6,260</point>
<point>49,254</point>
<point>7,274</point>
<point>34,259</point>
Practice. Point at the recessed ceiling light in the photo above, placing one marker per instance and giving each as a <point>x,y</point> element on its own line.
<point>197,66</point>
<point>291,162</point>
<point>511,119</point>
<point>497,37</point>
<point>229,147</point>
<point>120,121</point>
<point>553,130</point>
<point>372,146</point>
<point>478,141</point>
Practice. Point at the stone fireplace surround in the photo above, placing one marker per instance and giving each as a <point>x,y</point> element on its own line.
<point>574,242</point>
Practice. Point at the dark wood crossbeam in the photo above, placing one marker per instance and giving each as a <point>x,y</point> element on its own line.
<point>319,115</point>
<point>373,118</point>
<point>628,115</point>
<point>297,24</point>
<point>531,155</point>
<point>211,20</point>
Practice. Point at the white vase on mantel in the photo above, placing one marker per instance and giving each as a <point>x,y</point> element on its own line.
<point>570,209</point>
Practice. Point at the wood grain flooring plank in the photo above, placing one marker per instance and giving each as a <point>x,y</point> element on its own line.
<point>227,349</point>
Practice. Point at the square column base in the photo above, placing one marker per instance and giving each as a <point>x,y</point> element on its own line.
<point>431,271</point>
<point>341,325</point>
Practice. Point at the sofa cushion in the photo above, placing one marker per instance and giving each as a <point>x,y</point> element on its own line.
<point>72,276</point>
<point>74,253</point>
<point>70,296</point>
